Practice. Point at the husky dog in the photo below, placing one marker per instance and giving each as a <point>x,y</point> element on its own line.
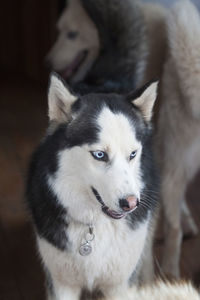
<point>101,43</point>
<point>179,127</point>
<point>92,190</point>
<point>77,45</point>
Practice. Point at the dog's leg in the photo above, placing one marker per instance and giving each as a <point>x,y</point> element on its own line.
<point>173,189</point>
<point>188,225</point>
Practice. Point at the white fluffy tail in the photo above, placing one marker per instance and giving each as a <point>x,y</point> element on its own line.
<point>184,49</point>
<point>163,291</point>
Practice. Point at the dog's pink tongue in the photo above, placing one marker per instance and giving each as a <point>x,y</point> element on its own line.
<point>68,71</point>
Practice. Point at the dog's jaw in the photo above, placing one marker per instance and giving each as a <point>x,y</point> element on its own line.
<point>69,72</point>
<point>109,212</point>
<point>112,213</point>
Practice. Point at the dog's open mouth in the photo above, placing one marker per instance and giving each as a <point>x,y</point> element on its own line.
<point>74,66</point>
<point>111,213</point>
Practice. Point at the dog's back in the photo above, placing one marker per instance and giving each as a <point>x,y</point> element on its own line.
<point>184,45</point>
<point>179,127</point>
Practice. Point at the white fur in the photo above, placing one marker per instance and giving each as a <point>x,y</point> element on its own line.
<point>59,100</point>
<point>116,253</point>
<point>146,101</point>
<point>78,170</point>
<point>117,248</point>
<point>163,291</point>
<point>179,127</point>
<point>65,50</point>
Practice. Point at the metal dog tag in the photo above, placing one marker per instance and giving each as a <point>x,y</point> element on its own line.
<point>85,249</point>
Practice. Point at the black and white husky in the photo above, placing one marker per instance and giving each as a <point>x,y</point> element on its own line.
<point>91,190</point>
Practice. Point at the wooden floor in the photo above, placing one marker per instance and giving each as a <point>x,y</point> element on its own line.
<point>23,119</point>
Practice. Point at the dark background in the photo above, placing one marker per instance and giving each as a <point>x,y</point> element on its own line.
<point>27,31</point>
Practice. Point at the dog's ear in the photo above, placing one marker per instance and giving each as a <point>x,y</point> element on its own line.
<point>60,99</point>
<point>144,99</point>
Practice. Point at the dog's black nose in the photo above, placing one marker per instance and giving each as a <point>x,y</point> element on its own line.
<point>129,203</point>
<point>123,203</point>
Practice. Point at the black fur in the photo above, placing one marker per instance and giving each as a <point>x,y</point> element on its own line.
<point>48,214</point>
<point>117,70</point>
<point>122,33</point>
<point>149,195</point>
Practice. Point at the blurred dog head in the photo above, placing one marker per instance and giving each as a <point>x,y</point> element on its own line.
<point>77,45</point>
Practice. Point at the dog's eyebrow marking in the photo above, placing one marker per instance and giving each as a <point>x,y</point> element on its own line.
<point>107,149</point>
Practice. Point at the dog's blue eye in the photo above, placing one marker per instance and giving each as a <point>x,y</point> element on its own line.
<point>133,154</point>
<point>100,155</point>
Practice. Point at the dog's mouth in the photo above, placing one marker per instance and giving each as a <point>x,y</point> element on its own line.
<point>74,66</point>
<point>109,212</point>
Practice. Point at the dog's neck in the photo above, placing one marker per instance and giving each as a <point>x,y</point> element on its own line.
<point>85,248</point>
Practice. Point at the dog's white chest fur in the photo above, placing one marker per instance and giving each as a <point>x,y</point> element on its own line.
<point>116,250</point>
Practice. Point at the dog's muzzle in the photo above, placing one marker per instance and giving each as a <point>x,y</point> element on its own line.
<point>111,213</point>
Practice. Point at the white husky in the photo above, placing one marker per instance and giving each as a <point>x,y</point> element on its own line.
<point>77,45</point>
<point>179,127</point>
